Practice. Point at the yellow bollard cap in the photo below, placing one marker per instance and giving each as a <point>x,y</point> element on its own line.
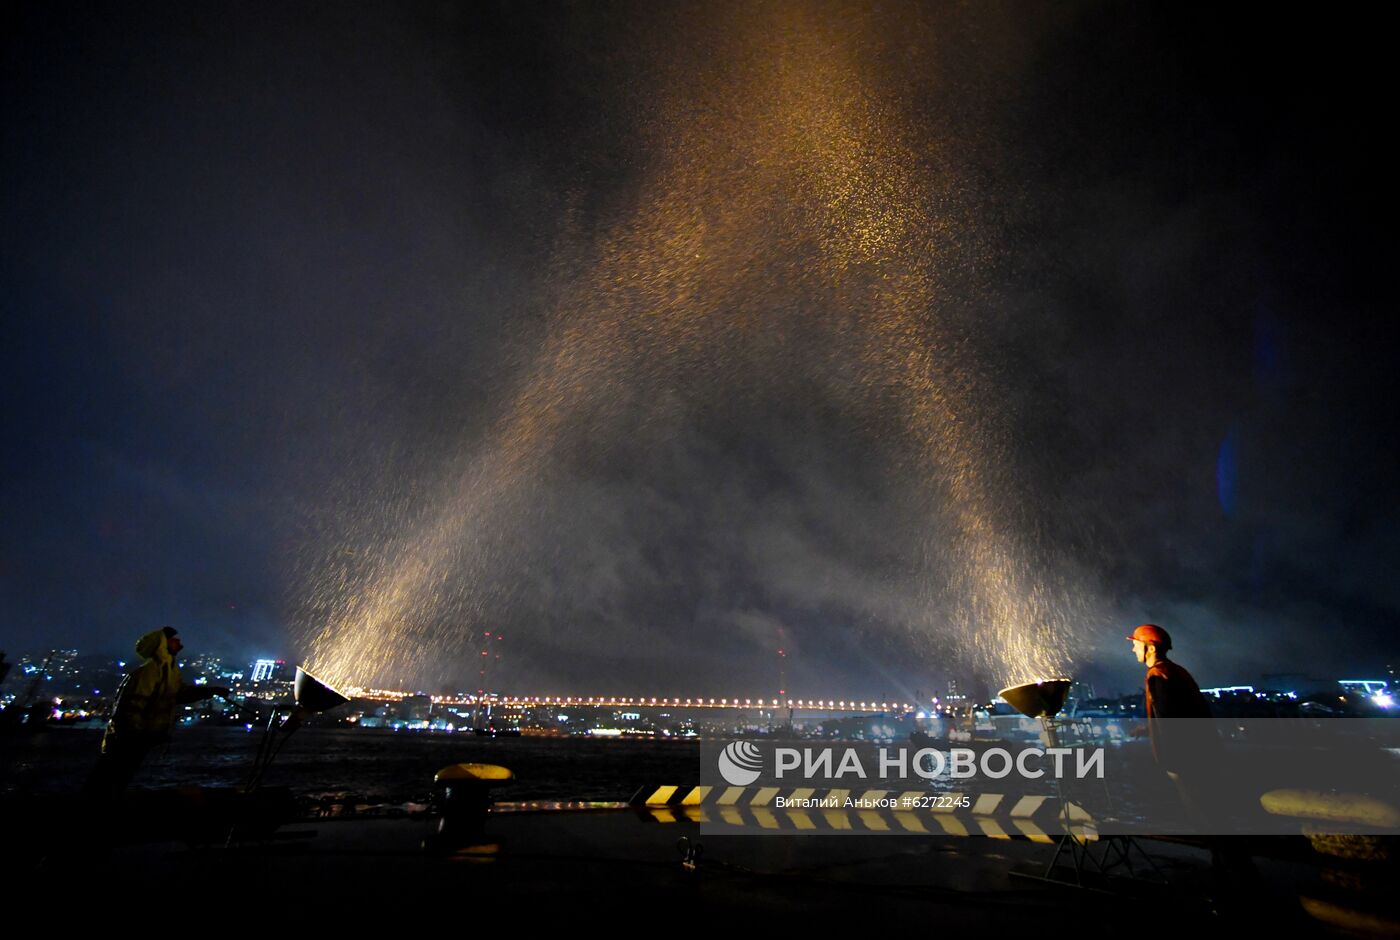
<point>486,773</point>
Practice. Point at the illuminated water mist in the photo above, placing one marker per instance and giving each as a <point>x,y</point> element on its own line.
<point>789,194</point>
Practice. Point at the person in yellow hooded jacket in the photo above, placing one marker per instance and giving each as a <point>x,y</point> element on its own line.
<point>148,701</point>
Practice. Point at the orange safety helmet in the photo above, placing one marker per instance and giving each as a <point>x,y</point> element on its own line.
<point>1151,633</point>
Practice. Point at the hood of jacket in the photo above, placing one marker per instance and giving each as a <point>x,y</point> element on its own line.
<point>153,646</point>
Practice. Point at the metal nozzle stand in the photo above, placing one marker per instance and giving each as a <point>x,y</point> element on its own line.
<point>1114,855</point>
<point>311,696</point>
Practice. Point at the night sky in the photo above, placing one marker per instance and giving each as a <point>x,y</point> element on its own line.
<point>618,322</point>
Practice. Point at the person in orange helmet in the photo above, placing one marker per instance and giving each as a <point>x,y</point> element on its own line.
<point>1190,752</point>
<point>1184,749</point>
<point>1171,693</point>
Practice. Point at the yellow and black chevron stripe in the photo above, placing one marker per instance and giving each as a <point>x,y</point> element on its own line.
<point>1000,816</point>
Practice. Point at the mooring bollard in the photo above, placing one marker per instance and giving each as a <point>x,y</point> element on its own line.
<point>462,797</point>
<point>1357,869</point>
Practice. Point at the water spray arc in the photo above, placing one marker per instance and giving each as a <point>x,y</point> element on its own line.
<point>793,206</point>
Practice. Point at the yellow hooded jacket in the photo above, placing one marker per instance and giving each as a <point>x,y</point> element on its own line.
<point>148,698</point>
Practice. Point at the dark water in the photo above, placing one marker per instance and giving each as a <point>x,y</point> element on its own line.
<point>382,766</point>
<point>388,765</point>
